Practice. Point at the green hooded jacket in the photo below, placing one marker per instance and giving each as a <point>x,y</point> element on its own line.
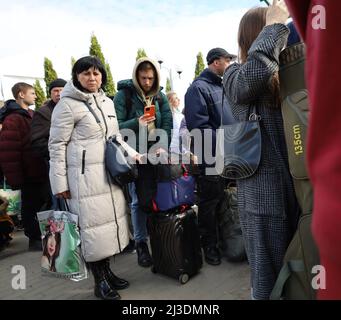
<point>128,119</point>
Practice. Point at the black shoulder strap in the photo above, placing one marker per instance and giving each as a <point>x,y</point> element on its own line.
<point>158,98</point>
<point>251,116</point>
<point>90,109</point>
<point>128,99</point>
<point>92,112</point>
<point>97,119</point>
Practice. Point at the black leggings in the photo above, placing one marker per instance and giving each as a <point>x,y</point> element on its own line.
<point>34,197</point>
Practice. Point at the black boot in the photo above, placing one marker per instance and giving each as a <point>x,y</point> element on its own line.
<point>212,255</point>
<point>114,281</point>
<point>34,245</point>
<point>143,256</point>
<point>103,289</point>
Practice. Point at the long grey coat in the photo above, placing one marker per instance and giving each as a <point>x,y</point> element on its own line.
<point>267,202</point>
<point>76,146</point>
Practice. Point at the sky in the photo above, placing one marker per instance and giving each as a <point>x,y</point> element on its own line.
<point>173,31</point>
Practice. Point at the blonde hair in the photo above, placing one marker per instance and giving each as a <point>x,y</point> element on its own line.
<point>170,96</point>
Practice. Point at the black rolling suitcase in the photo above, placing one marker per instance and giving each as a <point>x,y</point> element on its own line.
<point>175,244</point>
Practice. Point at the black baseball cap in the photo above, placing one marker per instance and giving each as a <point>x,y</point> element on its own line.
<point>218,53</point>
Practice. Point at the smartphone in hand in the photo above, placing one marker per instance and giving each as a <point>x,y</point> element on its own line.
<point>149,111</point>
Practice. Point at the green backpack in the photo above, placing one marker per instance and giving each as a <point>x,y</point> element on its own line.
<point>230,240</point>
<point>295,278</point>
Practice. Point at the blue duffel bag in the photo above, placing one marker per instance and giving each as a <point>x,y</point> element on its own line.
<point>174,193</point>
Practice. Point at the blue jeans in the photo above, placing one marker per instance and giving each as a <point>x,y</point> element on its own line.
<point>138,217</point>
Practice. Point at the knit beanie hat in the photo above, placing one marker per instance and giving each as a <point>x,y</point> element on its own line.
<point>58,83</point>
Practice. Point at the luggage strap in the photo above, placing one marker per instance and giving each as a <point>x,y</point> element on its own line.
<point>155,207</point>
<point>185,174</point>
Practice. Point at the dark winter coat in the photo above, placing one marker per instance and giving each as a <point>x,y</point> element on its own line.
<point>267,203</point>
<point>203,106</point>
<point>18,163</point>
<point>40,127</point>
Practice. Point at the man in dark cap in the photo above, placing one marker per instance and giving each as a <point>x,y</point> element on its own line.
<point>40,133</point>
<point>41,121</point>
<point>203,110</point>
<point>219,54</point>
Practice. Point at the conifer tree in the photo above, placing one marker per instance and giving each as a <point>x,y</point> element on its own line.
<point>200,66</point>
<point>168,86</point>
<point>95,50</point>
<point>49,74</point>
<point>140,53</point>
<point>110,89</point>
<point>41,98</point>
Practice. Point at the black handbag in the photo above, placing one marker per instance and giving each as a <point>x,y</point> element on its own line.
<point>238,148</point>
<point>121,170</point>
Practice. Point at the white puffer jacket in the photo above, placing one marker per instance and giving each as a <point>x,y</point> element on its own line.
<point>76,146</point>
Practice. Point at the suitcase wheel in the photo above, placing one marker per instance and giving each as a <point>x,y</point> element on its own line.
<point>153,269</point>
<point>183,278</point>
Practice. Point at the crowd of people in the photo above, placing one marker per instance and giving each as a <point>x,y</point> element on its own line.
<point>58,151</point>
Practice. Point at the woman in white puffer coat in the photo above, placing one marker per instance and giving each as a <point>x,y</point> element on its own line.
<point>77,171</point>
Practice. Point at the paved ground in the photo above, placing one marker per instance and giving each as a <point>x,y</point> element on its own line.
<point>224,282</point>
